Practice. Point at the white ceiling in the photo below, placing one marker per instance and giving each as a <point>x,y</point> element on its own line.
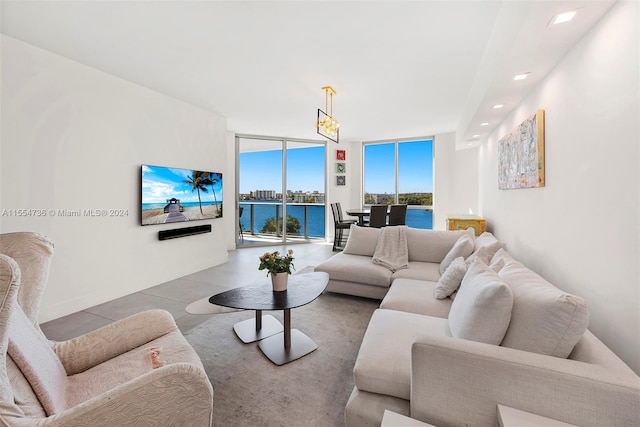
<point>400,69</point>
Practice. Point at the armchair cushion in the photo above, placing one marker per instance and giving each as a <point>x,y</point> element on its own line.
<point>32,252</point>
<point>98,346</point>
<point>37,361</point>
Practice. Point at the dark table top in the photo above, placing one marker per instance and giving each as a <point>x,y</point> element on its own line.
<point>301,290</point>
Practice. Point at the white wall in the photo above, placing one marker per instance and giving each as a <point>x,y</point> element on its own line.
<point>582,230</point>
<point>455,181</point>
<point>75,138</point>
<point>348,195</point>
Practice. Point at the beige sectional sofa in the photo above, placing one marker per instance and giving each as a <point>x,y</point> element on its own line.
<point>352,272</point>
<point>508,337</point>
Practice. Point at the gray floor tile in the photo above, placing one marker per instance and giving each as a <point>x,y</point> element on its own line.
<point>135,303</point>
<point>73,325</point>
<point>183,290</point>
<point>174,296</point>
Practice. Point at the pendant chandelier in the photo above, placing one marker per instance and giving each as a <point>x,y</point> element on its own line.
<point>326,124</point>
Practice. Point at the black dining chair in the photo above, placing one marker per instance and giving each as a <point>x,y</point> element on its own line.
<point>240,230</point>
<point>378,216</point>
<point>339,225</point>
<point>398,215</point>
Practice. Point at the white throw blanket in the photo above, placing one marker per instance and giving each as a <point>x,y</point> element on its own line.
<point>391,249</point>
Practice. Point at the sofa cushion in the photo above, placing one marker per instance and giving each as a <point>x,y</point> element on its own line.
<point>484,239</point>
<point>450,279</point>
<point>361,241</point>
<point>545,319</point>
<point>415,296</point>
<point>355,268</point>
<point>482,307</point>
<point>485,253</point>
<point>462,248</point>
<point>419,271</point>
<point>499,259</point>
<point>431,245</point>
<point>383,364</point>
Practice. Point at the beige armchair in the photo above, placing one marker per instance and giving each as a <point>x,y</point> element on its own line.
<point>137,371</point>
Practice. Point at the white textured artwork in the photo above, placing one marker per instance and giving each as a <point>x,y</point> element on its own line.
<point>521,155</point>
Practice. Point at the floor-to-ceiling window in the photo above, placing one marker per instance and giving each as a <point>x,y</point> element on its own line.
<point>400,171</point>
<point>280,178</point>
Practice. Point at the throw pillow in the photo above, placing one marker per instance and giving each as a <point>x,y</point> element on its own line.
<point>484,239</point>
<point>485,253</point>
<point>361,241</point>
<point>502,255</point>
<point>481,310</point>
<point>545,319</point>
<point>497,265</point>
<point>462,248</point>
<point>451,279</point>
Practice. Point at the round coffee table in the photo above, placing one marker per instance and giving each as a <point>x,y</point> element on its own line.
<point>280,345</point>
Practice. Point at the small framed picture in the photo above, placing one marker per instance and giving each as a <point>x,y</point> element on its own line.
<point>341,167</point>
<point>341,180</point>
<point>341,155</point>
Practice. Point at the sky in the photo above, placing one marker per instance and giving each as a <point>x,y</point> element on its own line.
<point>161,183</point>
<point>415,165</point>
<point>262,170</point>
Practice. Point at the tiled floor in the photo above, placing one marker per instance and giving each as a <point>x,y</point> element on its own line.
<point>174,296</point>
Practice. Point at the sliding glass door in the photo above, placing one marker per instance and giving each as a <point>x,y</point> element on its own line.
<point>280,179</point>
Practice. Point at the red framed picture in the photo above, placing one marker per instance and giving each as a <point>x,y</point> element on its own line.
<point>341,155</point>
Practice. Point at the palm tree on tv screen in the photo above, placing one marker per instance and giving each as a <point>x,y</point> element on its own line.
<point>198,181</point>
<point>215,178</point>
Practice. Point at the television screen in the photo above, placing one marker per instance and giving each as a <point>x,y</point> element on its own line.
<point>177,195</point>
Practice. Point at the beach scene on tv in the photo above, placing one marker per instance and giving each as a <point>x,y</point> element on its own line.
<point>178,195</point>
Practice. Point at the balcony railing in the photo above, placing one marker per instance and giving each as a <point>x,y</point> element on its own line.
<point>256,215</point>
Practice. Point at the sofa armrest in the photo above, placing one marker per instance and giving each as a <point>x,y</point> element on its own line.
<point>174,395</point>
<point>459,382</point>
<point>86,351</point>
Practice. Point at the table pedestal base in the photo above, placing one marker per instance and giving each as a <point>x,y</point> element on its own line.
<point>274,347</point>
<point>261,327</point>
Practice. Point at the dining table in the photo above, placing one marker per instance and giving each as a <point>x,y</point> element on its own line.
<point>361,214</point>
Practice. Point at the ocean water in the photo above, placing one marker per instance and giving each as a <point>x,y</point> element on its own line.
<point>146,206</point>
<point>416,218</point>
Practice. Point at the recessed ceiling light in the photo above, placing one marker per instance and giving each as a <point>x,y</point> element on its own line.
<point>521,76</point>
<point>484,124</point>
<point>564,17</point>
<point>498,106</point>
<point>476,136</point>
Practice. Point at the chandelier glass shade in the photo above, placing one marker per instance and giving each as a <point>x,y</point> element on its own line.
<point>327,125</point>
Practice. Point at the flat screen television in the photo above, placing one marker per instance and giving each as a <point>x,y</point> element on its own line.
<point>175,195</point>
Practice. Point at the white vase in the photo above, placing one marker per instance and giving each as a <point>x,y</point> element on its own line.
<point>279,281</point>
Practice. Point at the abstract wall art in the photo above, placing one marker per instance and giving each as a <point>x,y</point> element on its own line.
<point>521,155</point>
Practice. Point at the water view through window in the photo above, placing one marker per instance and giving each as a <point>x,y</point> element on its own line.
<point>401,172</point>
<point>261,181</point>
<point>394,172</point>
